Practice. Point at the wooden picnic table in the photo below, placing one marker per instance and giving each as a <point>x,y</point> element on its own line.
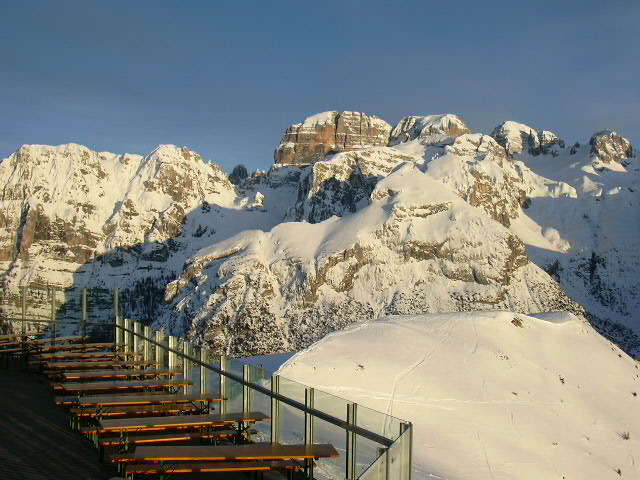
<point>155,384</point>
<point>61,366</point>
<point>180,422</point>
<point>67,339</point>
<point>86,356</point>
<point>170,438</point>
<point>117,373</point>
<point>79,346</point>
<point>219,453</point>
<point>13,336</point>
<point>137,399</point>
<point>185,471</point>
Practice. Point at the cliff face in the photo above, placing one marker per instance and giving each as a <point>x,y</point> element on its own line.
<point>431,127</point>
<point>417,247</point>
<point>330,132</point>
<point>63,206</point>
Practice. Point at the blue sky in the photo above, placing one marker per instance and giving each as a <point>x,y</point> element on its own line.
<point>226,78</point>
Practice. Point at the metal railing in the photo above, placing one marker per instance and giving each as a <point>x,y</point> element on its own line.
<point>393,455</point>
<point>373,445</point>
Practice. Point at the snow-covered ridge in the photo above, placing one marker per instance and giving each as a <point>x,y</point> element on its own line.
<point>492,395</point>
<point>416,247</point>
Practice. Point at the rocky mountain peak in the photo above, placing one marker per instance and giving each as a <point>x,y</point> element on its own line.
<point>608,147</point>
<point>432,126</point>
<point>330,132</point>
<point>517,138</point>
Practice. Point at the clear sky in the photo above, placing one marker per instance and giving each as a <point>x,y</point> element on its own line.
<point>227,78</point>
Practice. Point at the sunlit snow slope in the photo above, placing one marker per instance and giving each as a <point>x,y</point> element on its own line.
<point>492,395</point>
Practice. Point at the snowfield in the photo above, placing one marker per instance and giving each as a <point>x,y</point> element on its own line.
<point>492,395</point>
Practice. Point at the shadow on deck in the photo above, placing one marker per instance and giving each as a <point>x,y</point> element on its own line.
<point>35,439</point>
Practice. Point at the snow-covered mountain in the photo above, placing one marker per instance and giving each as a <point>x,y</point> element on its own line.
<point>491,395</point>
<point>416,247</point>
<point>367,220</point>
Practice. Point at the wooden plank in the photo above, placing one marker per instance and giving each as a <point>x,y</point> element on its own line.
<point>47,357</point>
<point>218,467</point>
<point>180,421</point>
<point>118,373</point>
<point>137,399</point>
<point>122,385</point>
<point>68,339</point>
<point>136,411</point>
<point>102,364</point>
<point>12,336</point>
<point>79,346</point>
<point>219,453</point>
<point>170,438</point>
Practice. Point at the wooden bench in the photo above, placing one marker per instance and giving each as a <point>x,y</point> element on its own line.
<point>85,347</point>
<point>219,467</point>
<point>180,422</point>
<point>136,411</point>
<point>132,385</point>
<point>61,366</point>
<point>171,438</point>
<point>84,356</point>
<point>222,453</point>
<point>114,373</point>
<point>137,399</point>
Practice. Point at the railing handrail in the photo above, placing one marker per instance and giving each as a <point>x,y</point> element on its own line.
<point>363,432</point>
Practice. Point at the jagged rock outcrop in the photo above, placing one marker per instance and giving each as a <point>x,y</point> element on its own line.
<point>417,247</point>
<point>517,138</point>
<point>477,168</point>
<point>238,174</point>
<point>431,128</point>
<point>608,147</point>
<point>342,182</point>
<point>330,132</point>
<point>63,206</point>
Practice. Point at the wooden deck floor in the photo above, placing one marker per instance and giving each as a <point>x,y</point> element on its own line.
<point>36,442</point>
<point>35,439</point>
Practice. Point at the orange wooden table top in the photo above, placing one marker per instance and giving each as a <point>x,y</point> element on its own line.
<point>212,453</point>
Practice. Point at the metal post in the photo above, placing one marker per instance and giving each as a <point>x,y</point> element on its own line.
<point>186,365</point>
<point>172,356</point>
<point>116,316</point>
<point>119,333</point>
<point>352,412</point>
<point>83,327</point>
<point>223,384</point>
<point>407,449</point>
<point>53,314</point>
<point>275,410</point>
<point>309,423</point>
<point>127,334</point>
<point>246,391</point>
<point>23,290</point>
<point>204,357</point>
<point>147,345</point>
<point>137,328</point>
<point>159,351</point>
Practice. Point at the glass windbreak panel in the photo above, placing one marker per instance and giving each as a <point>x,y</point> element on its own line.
<point>378,422</point>
<point>377,470</point>
<point>11,306</point>
<point>331,404</point>
<point>330,468</point>
<point>38,305</point>
<point>67,310</point>
<point>260,402</point>
<point>367,452</point>
<point>399,458</point>
<point>291,419</point>
<point>234,389</point>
